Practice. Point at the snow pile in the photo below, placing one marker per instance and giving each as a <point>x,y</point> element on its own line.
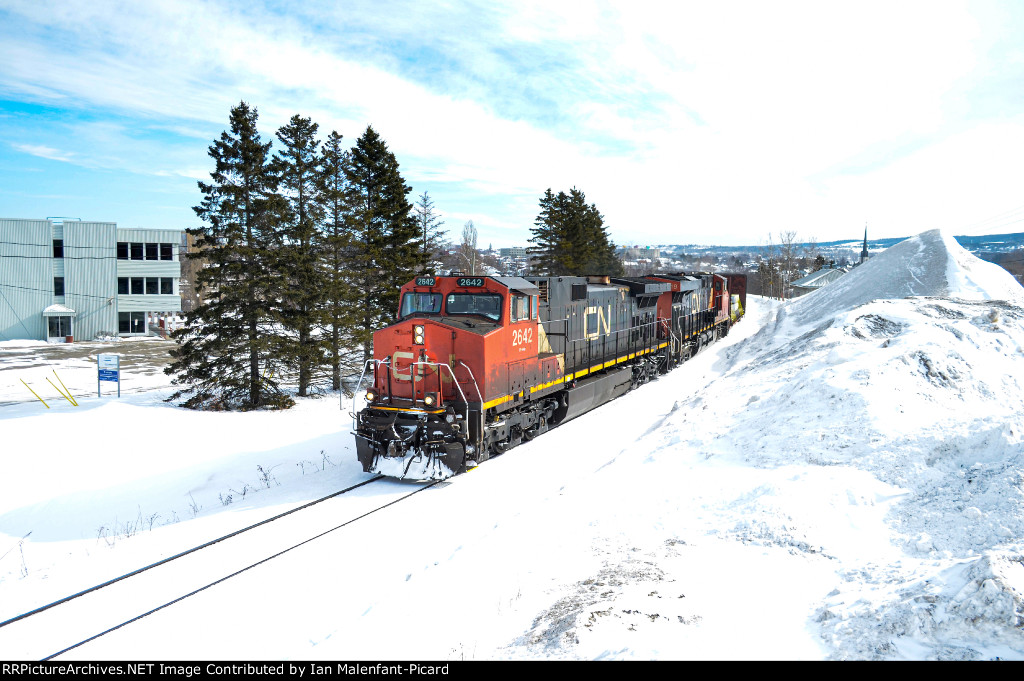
<point>892,427</point>
<point>930,264</point>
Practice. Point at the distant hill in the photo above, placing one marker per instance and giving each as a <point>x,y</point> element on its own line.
<point>989,243</point>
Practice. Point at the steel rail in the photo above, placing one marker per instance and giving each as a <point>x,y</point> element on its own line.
<point>245,569</point>
<point>182,554</point>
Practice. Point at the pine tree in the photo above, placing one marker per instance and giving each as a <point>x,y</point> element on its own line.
<point>297,167</point>
<point>570,238</point>
<point>225,350</point>
<point>545,237</point>
<point>428,225</point>
<point>340,300</point>
<point>389,245</point>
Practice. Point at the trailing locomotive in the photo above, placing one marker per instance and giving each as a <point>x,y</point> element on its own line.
<point>476,365</point>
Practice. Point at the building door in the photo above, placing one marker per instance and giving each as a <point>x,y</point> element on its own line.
<point>58,327</point>
<point>131,323</point>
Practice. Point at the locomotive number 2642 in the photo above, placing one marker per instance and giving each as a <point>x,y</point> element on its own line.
<point>522,336</point>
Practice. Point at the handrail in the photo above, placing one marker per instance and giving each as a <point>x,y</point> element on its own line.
<point>455,382</point>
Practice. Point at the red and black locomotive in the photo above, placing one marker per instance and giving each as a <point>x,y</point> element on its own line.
<point>477,364</point>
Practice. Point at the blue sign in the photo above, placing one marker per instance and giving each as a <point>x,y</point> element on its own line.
<point>108,368</point>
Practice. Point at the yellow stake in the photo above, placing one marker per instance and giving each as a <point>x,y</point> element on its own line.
<point>60,391</point>
<point>73,400</point>
<point>34,393</point>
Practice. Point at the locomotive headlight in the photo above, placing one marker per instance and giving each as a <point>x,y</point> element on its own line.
<point>430,400</point>
<point>417,332</point>
<point>371,395</point>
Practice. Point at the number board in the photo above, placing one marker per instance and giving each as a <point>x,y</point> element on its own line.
<point>469,281</point>
<point>425,281</point>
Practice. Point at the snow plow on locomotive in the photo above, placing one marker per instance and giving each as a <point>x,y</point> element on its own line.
<point>476,365</point>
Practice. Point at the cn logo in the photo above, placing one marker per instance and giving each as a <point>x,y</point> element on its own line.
<point>396,361</point>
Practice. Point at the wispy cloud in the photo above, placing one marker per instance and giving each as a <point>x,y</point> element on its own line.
<point>728,119</point>
<point>45,152</point>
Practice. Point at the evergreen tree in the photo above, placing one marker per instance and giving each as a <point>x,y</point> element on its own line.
<point>340,300</point>
<point>389,244</point>
<point>545,237</point>
<point>225,350</point>
<point>428,225</point>
<point>297,167</point>
<point>569,238</point>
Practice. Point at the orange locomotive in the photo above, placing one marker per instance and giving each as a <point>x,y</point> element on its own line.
<point>477,364</point>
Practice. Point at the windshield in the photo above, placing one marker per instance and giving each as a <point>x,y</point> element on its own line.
<point>484,304</point>
<point>424,303</point>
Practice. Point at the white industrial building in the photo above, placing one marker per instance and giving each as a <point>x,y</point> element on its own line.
<point>69,279</point>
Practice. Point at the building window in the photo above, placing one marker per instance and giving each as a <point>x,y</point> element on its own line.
<point>122,286</point>
<point>167,287</point>
<point>131,322</point>
<point>122,250</point>
<point>137,286</point>
<point>166,252</point>
<point>58,248</point>
<point>152,287</point>
<point>58,286</point>
<point>152,251</point>
<point>137,251</point>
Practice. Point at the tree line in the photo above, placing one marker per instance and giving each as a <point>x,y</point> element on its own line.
<point>303,253</point>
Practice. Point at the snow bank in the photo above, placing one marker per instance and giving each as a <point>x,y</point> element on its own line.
<point>909,369</point>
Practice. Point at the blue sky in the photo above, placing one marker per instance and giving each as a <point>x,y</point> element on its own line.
<point>684,122</point>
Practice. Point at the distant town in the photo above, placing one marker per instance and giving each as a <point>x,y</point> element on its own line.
<point>780,257</point>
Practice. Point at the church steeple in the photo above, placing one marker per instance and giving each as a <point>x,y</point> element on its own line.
<point>864,252</point>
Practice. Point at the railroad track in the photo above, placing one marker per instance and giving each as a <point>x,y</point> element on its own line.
<point>68,623</point>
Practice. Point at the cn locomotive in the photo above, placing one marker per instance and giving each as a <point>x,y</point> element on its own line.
<point>475,365</point>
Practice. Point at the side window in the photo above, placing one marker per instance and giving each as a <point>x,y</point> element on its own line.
<point>520,307</point>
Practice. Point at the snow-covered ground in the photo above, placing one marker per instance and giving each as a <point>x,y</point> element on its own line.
<point>840,478</point>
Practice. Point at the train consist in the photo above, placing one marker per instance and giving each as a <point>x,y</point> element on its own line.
<point>476,365</point>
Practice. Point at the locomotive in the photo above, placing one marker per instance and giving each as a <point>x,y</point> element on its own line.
<point>475,365</point>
